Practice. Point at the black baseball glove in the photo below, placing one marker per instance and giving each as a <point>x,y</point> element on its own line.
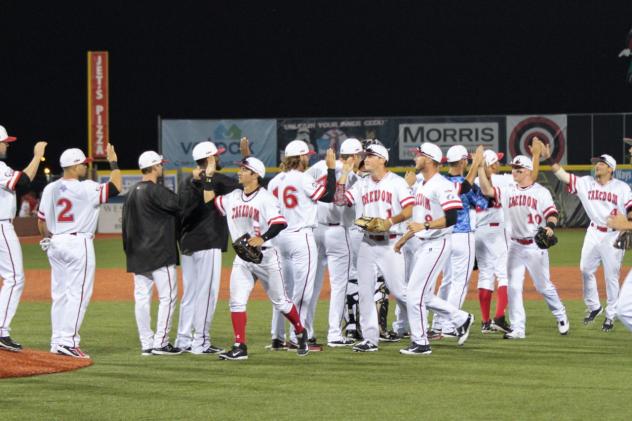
<point>247,252</point>
<point>544,241</point>
<point>624,240</point>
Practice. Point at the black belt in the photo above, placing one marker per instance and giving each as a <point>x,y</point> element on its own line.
<point>381,237</point>
<point>329,225</point>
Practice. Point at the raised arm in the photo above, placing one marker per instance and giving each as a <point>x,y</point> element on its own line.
<point>486,186</point>
<point>209,186</point>
<point>38,152</point>
<point>477,160</point>
<point>558,171</point>
<point>115,174</point>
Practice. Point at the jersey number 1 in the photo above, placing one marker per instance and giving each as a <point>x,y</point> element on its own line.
<point>65,215</point>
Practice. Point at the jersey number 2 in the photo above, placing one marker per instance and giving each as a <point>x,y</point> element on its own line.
<point>65,215</point>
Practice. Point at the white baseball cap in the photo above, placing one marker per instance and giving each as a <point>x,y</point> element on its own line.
<point>297,148</point>
<point>492,157</point>
<point>253,164</point>
<point>149,159</point>
<point>606,159</point>
<point>350,146</point>
<point>521,161</point>
<point>457,153</point>
<point>4,137</point>
<point>429,150</point>
<point>205,149</point>
<point>72,157</point>
<point>377,150</point>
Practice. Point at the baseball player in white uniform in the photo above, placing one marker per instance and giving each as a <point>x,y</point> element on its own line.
<point>602,196</point>
<point>334,247</point>
<point>254,211</point>
<point>624,302</point>
<point>11,266</point>
<point>383,195</point>
<point>434,214</point>
<point>528,205</point>
<point>298,194</point>
<point>68,214</point>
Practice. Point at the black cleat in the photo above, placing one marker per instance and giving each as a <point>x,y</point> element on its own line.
<point>70,351</point>
<point>389,336</point>
<point>237,352</point>
<point>302,346</point>
<point>7,343</point>
<point>608,325</point>
<point>592,315</point>
<point>434,334</point>
<point>211,350</point>
<point>341,343</point>
<point>365,346</point>
<point>499,324</point>
<point>463,331</point>
<point>486,327</point>
<point>277,345</point>
<point>167,350</point>
<point>416,349</point>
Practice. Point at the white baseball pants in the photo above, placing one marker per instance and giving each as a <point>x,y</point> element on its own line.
<point>536,261</point>
<point>73,265</point>
<point>624,304</point>
<point>244,274</point>
<point>491,255</point>
<point>377,255</point>
<point>430,257</point>
<point>598,248</point>
<point>400,324</point>
<point>298,261</point>
<point>457,270</point>
<point>167,286</point>
<point>201,276</point>
<point>12,274</point>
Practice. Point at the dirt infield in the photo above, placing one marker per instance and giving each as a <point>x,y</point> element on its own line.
<point>117,285</point>
<point>30,362</point>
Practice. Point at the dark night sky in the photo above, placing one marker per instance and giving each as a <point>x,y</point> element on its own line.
<point>223,59</point>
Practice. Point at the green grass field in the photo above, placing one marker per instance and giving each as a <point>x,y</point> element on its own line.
<point>586,375</point>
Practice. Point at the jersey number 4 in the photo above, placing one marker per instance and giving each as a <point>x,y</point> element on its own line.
<point>289,197</point>
<point>65,215</point>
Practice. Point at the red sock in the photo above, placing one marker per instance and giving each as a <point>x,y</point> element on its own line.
<point>239,319</point>
<point>501,305</point>
<point>485,299</point>
<point>295,319</point>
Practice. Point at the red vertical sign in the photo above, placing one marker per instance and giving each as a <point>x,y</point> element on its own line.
<point>98,104</point>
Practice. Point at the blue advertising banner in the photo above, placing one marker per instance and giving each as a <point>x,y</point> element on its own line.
<point>178,137</point>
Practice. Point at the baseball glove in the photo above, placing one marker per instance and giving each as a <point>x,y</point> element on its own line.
<point>247,252</point>
<point>544,241</point>
<point>371,224</point>
<point>624,240</point>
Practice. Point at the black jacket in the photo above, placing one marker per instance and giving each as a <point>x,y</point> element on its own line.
<point>203,227</point>
<point>150,226</point>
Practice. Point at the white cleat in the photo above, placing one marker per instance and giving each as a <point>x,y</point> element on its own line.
<point>563,326</point>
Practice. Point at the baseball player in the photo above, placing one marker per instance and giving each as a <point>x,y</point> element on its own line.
<point>298,194</point>
<point>460,261</point>
<point>68,215</point>
<point>334,248</point>
<point>383,195</point>
<point>601,196</point>
<point>203,238</point>
<point>150,219</point>
<point>624,302</point>
<point>528,205</point>
<point>11,266</point>
<point>434,214</point>
<point>253,211</point>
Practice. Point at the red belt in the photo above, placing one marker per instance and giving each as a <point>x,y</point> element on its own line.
<point>602,229</point>
<point>333,225</point>
<point>525,241</point>
<point>381,237</point>
<point>494,224</point>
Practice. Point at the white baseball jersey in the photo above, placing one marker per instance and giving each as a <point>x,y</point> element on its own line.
<point>432,198</point>
<point>252,214</point>
<point>72,206</point>
<point>494,213</point>
<point>382,199</point>
<point>8,181</point>
<point>601,201</point>
<point>298,194</point>
<point>526,208</point>
<point>329,213</point>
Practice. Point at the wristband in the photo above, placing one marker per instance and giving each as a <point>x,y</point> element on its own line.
<point>550,224</point>
<point>114,165</point>
<point>208,184</point>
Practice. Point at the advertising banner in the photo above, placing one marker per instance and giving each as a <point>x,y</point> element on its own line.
<point>179,137</point>
<point>551,129</point>
<point>98,104</point>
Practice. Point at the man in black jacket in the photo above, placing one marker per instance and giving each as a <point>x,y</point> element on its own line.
<point>203,238</point>
<point>150,221</point>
